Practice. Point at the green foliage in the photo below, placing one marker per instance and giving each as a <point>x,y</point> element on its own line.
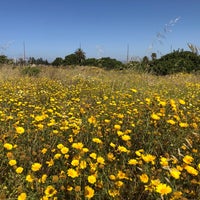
<point>175,62</point>
<point>31,71</point>
<point>57,62</point>
<point>3,59</point>
<point>110,63</point>
<point>90,62</point>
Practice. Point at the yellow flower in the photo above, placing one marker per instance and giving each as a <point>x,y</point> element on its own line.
<point>29,178</point>
<point>19,170</point>
<point>57,156</point>
<point>175,173</point>
<point>20,130</point>
<point>132,162</point>
<point>50,163</point>
<point>171,121</point>
<point>113,193</point>
<point>78,145</point>
<point>144,178</point>
<point>12,162</point>
<point>50,191</point>
<point>92,179</point>
<point>89,192</point>
<point>100,160</point>
<point>83,164</point>
<point>60,146</point>
<point>110,156</point>
<point>181,101</point>
<point>163,189</point>
<point>112,177</point>
<point>133,90</point>
<point>64,150</point>
<point>44,150</point>
<point>148,158</point>
<point>119,184</point>
<point>44,177</point>
<point>97,140</point>
<point>117,127</point>
<point>164,161</point>
<point>191,170</point>
<point>123,149</point>
<point>93,155</point>
<point>8,146</point>
<point>92,120</point>
<point>188,159</point>
<point>72,173</point>
<point>126,137</point>
<point>155,116</point>
<point>75,162</point>
<point>36,167</point>
<point>183,125</point>
<point>22,196</point>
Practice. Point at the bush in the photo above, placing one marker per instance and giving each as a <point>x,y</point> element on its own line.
<point>31,71</point>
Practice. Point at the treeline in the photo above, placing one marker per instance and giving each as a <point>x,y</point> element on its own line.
<point>174,62</point>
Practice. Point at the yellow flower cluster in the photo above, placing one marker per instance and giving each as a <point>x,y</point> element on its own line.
<point>93,138</point>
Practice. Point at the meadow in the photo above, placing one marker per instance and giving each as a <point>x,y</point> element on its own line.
<point>86,133</point>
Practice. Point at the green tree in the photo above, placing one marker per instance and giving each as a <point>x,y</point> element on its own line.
<point>3,59</point>
<point>80,54</point>
<point>57,62</point>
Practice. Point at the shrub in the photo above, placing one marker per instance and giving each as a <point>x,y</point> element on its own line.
<point>31,71</point>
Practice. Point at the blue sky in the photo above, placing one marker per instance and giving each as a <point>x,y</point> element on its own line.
<point>56,28</point>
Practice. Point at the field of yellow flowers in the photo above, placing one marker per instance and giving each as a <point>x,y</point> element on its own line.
<point>94,134</point>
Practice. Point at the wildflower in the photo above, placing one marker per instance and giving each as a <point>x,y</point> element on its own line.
<point>191,170</point>
<point>164,161</point>
<point>171,121</point>
<point>97,140</point>
<point>119,184</point>
<point>100,160</point>
<point>123,149</point>
<point>57,156</point>
<point>19,170</point>
<point>92,179</point>
<point>89,192</point>
<point>44,177</point>
<point>188,159</point>
<point>112,145</point>
<point>44,150</point>
<point>183,125</point>
<point>92,120</point>
<point>110,156</point>
<point>75,162</point>
<point>8,146</point>
<point>64,150</point>
<point>117,127</point>
<point>155,116</point>
<point>22,196</point>
<point>60,146</point>
<point>12,162</point>
<point>20,130</point>
<point>163,189</point>
<point>175,173</point>
<point>72,173</point>
<point>50,191</point>
<point>78,145</point>
<point>93,155</point>
<point>121,175</point>
<point>133,90</point>
<point>126,137</point>
<point>36,167</point>
<point>112,177</point>
<point>29,178</point>
<point>144,178</point>
<point>83,164</point>
<point>132,162</point>
<point>113,193</point>
<point>149,158</point>
<point>181,101</point>
<point>139,152</point>
<point>50,163</point>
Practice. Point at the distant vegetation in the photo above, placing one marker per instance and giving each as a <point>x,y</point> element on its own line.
<point>174,62</point>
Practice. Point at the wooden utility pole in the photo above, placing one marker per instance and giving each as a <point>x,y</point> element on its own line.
<point>127,58</point>
<point>24,53</point>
